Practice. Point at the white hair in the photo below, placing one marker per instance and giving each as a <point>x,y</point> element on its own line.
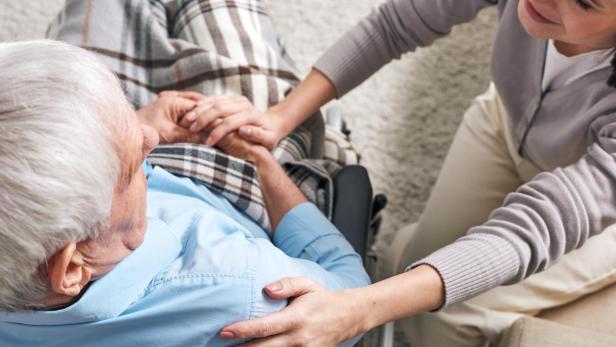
<point>59,162</point>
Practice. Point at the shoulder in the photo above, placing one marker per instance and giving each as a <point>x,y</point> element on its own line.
<point>225,274</point>
<point>187,310</point>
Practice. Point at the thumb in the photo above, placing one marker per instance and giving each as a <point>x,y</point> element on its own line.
<point>182,105</point>
<point>290,287</point>
<point>258,135</point>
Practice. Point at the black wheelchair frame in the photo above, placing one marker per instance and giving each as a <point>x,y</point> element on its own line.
<point>357,214</point>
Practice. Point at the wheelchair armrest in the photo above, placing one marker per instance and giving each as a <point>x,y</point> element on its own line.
<point>353,205</point>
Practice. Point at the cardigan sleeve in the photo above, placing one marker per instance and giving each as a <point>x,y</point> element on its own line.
<point>549,216</point>
<point>394,28</point>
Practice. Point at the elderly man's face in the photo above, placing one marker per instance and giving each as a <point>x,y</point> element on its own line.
<point>76,264</point>
<point>128,211</point>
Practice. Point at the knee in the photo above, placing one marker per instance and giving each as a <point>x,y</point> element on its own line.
<point>459,326</point>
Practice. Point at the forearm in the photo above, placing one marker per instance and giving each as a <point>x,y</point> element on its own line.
<point>328,318</point>
<point>306,99</point>
<point>394,28</point>
<point>418,290</point>
<point>398,26</point>
<point>551,215</point>
<point>279,192</point>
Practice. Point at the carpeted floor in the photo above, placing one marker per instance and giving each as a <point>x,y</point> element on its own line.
<point>402,119</point>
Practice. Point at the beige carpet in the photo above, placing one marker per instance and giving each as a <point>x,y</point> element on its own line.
<point>402,119</point>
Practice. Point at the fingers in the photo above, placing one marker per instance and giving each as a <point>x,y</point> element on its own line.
<point>204,114</point>
<point>177,107</point>
<point>273,324</point>
<point>191,95</point>
<point>290,287</point>
<point>174,106</point>
<point>220,115</point>
<point>272,341</point>
<point>212,109</point>
<point>182,105</point>
<point>230,124</point>
<point>193,117</point>
<point>194,96</point>
<point>258,135</point>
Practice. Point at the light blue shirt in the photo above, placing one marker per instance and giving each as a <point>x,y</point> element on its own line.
<point>202,266</point>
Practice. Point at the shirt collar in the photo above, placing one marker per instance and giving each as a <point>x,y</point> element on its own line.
<point>115,292</point>
<point>112,294</point>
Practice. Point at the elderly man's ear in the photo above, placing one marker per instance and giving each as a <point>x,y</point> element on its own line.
<point>67,271</point>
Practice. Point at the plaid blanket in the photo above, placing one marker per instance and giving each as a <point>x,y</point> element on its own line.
<point>215,47</point>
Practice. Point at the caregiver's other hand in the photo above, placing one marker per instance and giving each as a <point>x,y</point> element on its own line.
<point>319,317</point>
<point>165,113</point>
<point>303,101</point>
<point>315,317</point>
<point>222,115</point>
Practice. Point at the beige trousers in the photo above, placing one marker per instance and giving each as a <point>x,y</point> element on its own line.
<point>482,166</point>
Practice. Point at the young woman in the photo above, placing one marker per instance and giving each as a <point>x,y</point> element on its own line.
<point>545,131</point>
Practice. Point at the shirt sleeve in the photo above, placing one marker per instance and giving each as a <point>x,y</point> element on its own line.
<point>394,28</point>
<point>305,235</point>
<point>308,245</point>
<point>545,218</point>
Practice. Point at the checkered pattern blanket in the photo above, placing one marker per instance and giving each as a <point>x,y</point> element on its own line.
<point>215,47</point>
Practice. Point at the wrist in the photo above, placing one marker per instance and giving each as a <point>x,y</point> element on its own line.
<point>362,319</point>
<point>281,116</point>
<point>389,299</point>
<point>260,156</point>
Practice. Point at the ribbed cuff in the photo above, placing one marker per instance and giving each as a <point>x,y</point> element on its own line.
<point>473,265</point>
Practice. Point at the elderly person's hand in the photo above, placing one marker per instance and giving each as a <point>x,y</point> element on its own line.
<point>235,146</point>
<point>165,114</point>
<point>181,116</point>
<point>223,115</point>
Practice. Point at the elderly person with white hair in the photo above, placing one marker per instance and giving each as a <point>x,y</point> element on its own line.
<point>85,261</point>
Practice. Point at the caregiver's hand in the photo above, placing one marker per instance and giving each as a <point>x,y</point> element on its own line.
<point>319,317</point>
<point>165,113</point>
<point>315,317</point>
<point>222,115</point>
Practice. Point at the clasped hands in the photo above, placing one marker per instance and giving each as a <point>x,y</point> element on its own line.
<point>222,121</point>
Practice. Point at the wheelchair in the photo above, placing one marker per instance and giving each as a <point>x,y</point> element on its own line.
<point>357,214</point>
